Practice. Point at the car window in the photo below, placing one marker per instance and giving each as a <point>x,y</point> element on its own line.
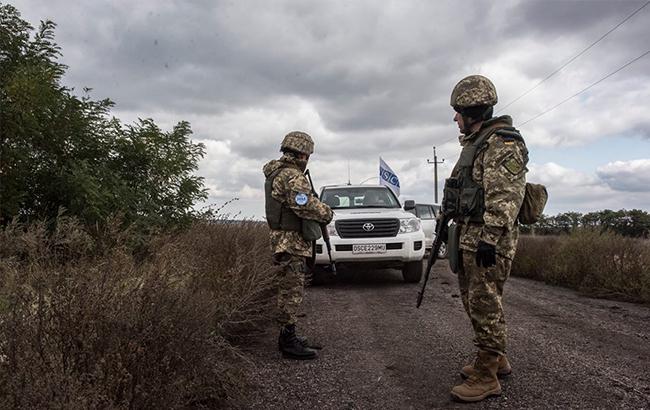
<point>424,212</point>
<point>371,197</point>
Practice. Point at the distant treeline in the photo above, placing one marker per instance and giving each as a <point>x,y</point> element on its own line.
<point>632,223</point>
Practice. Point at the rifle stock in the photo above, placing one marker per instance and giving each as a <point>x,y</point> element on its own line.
<point>441,230</point>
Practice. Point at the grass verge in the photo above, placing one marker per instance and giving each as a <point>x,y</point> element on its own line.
<point>597,264</point>
<point>86,324</point>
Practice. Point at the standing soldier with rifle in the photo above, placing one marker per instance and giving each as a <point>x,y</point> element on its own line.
<point>294,216</point>
<point>483,197</point>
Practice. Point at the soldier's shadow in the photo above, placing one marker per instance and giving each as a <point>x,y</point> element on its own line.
<point>357,277</point>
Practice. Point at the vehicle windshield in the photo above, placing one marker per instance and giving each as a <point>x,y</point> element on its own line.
<point>371,197</point>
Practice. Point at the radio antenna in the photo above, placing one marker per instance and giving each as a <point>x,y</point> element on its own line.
<point>349,183</point>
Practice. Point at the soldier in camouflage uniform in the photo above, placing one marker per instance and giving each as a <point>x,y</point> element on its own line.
<point>290,205</point>
<point>488,229</point>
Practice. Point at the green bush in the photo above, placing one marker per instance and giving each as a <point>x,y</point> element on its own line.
<point>85,324</point>
<point>598,263</point>
<point>58,150</point>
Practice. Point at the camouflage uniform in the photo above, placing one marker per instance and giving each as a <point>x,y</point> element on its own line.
<point>291,187</point>
<point>500,167</point>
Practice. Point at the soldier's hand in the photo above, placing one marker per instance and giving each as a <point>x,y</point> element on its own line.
<point>486,255</point>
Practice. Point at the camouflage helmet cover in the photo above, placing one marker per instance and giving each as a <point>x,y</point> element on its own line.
<point>472,91</point>
<point>299,142</point>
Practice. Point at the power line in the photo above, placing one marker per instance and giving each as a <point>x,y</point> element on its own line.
<point>576,94</point>
<point>573,58</point>
<point>585,89</point>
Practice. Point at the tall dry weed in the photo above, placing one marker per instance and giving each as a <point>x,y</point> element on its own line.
<point>601,264</point>
<point>85,324</point>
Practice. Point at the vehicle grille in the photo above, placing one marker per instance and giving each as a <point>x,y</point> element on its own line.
<point>353,228</point>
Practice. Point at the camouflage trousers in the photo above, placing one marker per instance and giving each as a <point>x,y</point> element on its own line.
<point>291,286</point>
<point>481,290</point>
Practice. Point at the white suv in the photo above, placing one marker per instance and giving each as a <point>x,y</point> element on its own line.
<point>371,228</point>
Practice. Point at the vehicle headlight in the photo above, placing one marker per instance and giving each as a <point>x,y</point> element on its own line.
<point>407,225</point>
<point>331,229</point>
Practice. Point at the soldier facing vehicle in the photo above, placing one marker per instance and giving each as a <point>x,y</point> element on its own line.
<point>294,216</point>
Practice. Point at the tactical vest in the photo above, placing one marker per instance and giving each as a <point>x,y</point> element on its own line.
<point>463,198</point>
<point>278,215</point>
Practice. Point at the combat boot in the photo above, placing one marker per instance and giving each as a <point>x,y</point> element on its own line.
<point>503,370</point>
<point>303,341</point>
<point>291,347</point>
<point>483,382</point>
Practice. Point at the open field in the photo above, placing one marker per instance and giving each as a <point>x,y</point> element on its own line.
<point>597,264</point>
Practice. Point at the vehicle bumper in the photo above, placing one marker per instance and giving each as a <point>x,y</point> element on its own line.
<point>402,248</point>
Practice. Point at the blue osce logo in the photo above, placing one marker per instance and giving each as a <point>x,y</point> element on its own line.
<point>389,177</point>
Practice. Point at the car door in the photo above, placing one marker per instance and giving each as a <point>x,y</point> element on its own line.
<point>426,215</point>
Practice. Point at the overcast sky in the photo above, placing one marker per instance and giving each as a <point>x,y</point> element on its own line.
<point>369,79</point>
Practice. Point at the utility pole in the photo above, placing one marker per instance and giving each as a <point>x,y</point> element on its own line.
<point>435,163</point>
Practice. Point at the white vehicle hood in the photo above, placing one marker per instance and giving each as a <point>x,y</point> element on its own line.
<point>371,213</point>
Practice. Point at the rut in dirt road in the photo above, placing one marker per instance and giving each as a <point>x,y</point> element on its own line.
<point>382,352</point>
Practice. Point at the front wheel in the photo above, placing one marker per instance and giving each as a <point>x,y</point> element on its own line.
<point>412,271</point>
<point>442,253</point>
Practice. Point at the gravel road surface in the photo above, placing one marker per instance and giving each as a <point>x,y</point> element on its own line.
<point>380,352</point>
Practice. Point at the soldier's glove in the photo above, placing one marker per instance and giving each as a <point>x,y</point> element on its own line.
<point>486,255</point>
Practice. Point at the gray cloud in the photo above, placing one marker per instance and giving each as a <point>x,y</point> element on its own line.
<point>364,78</point>
<point>627,176</point>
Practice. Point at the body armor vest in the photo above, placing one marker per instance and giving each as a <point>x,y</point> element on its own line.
<point>278,215</point>
<point>463,198</point>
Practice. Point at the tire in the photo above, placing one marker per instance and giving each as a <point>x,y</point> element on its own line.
<point>442,254</point>
<point>412,271</point>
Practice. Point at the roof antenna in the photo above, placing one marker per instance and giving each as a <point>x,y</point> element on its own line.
<point>349,183</point>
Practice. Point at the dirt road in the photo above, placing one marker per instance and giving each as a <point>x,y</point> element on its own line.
<point>567,351</point>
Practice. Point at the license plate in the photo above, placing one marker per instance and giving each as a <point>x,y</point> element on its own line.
<point>370,248</point>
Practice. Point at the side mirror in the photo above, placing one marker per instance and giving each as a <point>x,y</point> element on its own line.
<point>409,204</point>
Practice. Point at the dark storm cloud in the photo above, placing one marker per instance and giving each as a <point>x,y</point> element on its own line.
<point>363,67</point>
<point>558,18</point>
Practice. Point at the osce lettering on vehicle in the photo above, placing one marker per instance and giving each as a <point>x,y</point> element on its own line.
<point>389,177</point>
<point>301,199</point>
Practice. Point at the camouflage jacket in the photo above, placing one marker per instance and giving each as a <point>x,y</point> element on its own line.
<point>500,166</point>
<point>289,186</point>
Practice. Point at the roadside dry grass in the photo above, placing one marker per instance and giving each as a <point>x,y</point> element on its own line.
<point>597,264</point>
<point>86,324</point>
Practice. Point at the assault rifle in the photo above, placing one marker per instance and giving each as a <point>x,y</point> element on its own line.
<point>323,229</point>
<point>441,232</point>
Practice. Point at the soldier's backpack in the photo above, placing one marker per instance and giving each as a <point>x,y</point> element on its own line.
<point>533,205</point>
<point>536,195</point>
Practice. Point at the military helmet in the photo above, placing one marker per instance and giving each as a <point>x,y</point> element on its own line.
<point>473,91</point>
<point>298,142</point>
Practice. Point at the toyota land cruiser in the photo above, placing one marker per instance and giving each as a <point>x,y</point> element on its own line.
<point>371,228</point>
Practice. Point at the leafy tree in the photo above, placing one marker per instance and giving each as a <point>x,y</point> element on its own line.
<point>61,151</point>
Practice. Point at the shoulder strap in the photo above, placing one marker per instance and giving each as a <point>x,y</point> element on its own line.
<point>510,133</point>
<point>275,173</point>
<point>469,151</point>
